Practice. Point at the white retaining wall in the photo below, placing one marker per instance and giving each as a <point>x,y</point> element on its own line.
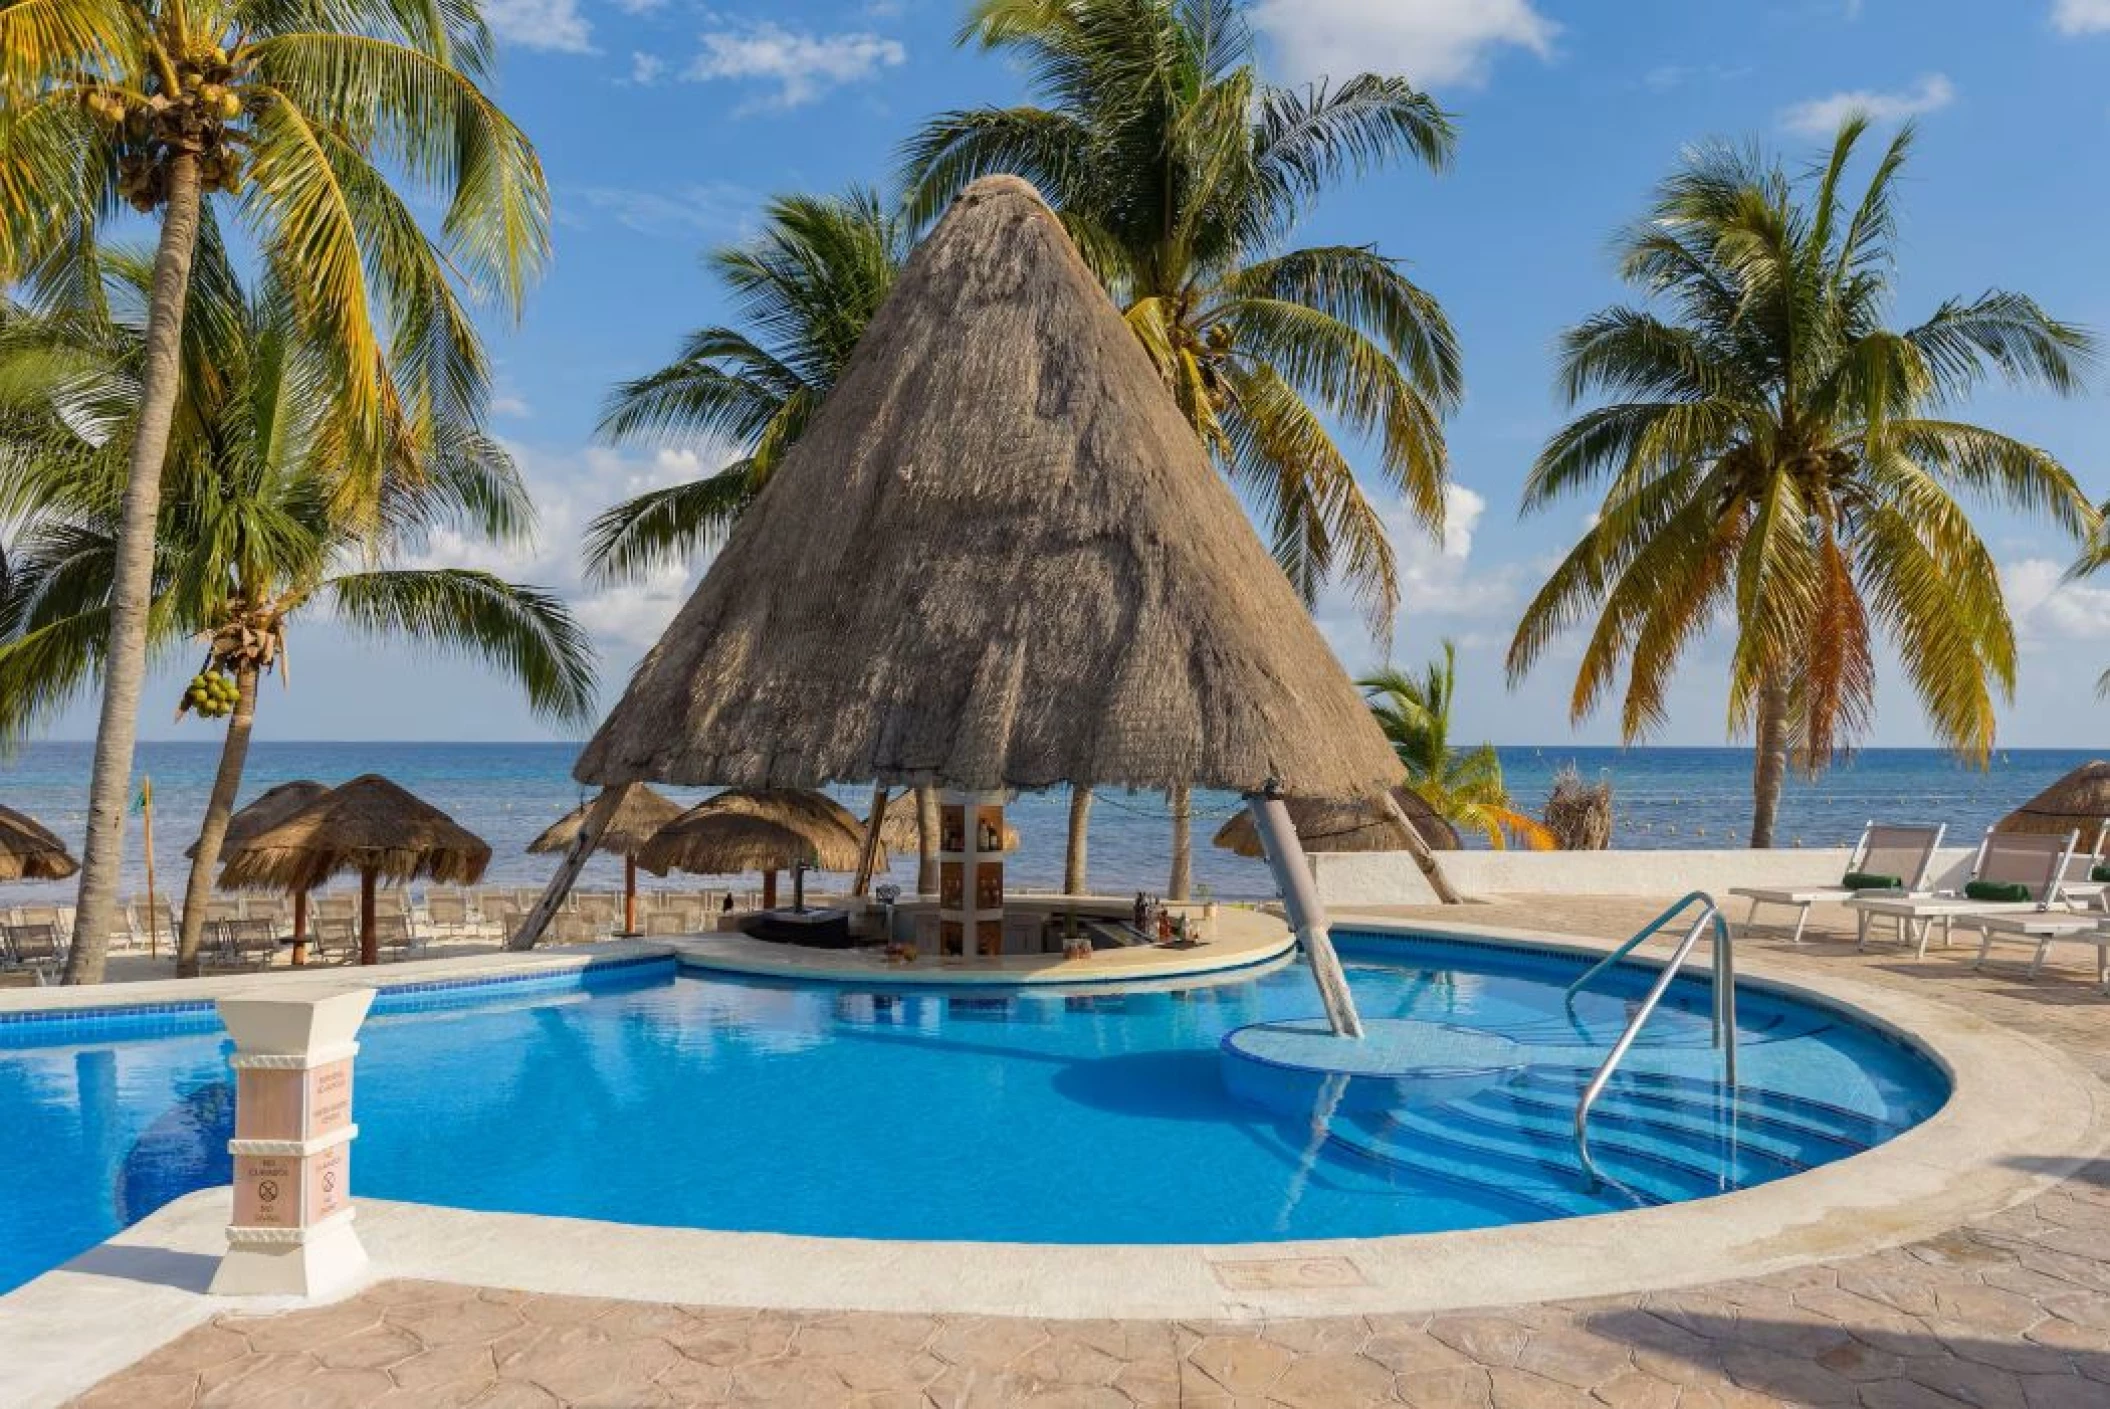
<point>1350,879</point>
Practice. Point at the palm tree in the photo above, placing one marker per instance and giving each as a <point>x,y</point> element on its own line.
<point>2093,560</point>
<point>300,117</point>
<point>251,537</point>
<point>1180,174</point>
<point>805,288</point>
<point>1463,786</point>
<point>1774,456</point>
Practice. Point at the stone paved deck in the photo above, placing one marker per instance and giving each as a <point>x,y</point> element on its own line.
<point>2011,1311</point>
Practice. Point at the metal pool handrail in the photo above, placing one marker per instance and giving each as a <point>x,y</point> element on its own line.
<point>1724,1006</point>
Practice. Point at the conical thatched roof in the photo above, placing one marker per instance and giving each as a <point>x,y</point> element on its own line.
<point>269,808</point>
<point>2081,800</point>
<point>997,558</point>
<point>367,823</point>
<point>639,814</point>
<point>898,830</point>
<point>31,851</point>
<point>1346,826</point>
<point>741,830</point>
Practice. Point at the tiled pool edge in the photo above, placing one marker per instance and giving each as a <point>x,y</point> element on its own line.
<point>2016,1097</point>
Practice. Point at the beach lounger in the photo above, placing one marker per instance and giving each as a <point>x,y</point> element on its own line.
<point>34,947</point>
<point>446,914</point>
<point>333,939</point>
<point>1904,854</point>
<point>2029,866</point>
<point>393,937</point>
<point>2043,931</point>
<point>240,944</point>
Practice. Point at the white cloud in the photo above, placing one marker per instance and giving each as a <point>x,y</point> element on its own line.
<point>1431,42</point>
<point>714,210</point>
<point>541,24</point>
<point>2048,610</point>
<point>569,490</point>
<point>802,66</point>
<point>646,69</point>
<point>2081,16</point>
<point>1820,117</point>
<point>640,7</point>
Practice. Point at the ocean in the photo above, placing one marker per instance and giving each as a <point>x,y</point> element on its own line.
<point>507,793</point>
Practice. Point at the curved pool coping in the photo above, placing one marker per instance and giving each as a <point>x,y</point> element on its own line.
<point>2021,1116</point>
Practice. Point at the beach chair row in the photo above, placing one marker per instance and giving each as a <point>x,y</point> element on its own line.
<point>2022,888</point>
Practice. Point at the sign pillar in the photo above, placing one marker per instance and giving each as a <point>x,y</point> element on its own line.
<point>291,1234</point>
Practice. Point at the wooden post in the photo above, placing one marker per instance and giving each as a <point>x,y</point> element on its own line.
<point>300,927</point>
<point>1424,856</point>
<point>1307,917</point>
<point>868,857</point>
<point>769,890</point>
<point>146,813</point>
<point>369,942</point>
<point>629,896</point>
<point>927,839</point>
<point>595,822</point>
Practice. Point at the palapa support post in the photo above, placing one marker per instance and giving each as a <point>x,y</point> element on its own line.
<point>300,927</point>
<point>629,897</point>
<point>369,942</point>
<point>1424,855</point>
<point>1307,917</point>
<point>590,829</point>
<point>291,1231</point>
<point>868,859</point>
<point>769,890</point>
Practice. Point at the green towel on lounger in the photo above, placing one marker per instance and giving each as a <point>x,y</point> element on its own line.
<point>2100,873</point>
<point>1864,880</point>
<point>2013,891</point>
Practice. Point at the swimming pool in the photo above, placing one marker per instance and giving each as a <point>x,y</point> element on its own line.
<point>647,1094</point>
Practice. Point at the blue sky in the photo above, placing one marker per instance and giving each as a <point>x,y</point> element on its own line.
<point>664,124</point>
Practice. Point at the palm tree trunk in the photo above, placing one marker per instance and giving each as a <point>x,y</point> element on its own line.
<point>1770,769</point>
<point>234,755</point>
<point>1180,882</point>
<point>132,582</point>
<point>1075,855</point>
<point>927,839</point>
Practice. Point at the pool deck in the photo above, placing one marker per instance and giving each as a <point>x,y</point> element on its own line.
<point>1967,1262</point>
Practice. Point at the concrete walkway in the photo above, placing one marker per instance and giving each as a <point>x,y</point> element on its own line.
<point>2011,1310</point>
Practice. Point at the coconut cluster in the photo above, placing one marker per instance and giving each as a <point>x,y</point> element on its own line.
<point>192,118</point>
<point>210,695</point>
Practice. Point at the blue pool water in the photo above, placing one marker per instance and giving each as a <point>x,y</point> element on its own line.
<point>648,1095</point>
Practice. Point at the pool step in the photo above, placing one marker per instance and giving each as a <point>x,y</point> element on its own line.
<point>1657,1139</point>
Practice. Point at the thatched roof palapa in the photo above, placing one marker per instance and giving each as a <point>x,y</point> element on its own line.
<point>2080,800</point>
<point>31,851</point>
<point>639,814</point>
<point>1346,826</point>
<point>898,830</point>
<point>757,830</point>
<point>997,558</point>
<point>367,824</point>
<point>265,811</point>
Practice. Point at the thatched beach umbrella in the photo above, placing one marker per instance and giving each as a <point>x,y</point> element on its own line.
<point>2080,800</point>
<point>369,825</point>
<point>639,813</point>
<point>1346,826</point>
<point>269,808</point>
<point>743,830</point>
<point>999,558</point>
<point>31,851</point>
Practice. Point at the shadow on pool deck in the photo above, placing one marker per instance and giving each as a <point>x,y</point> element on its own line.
<point>164,1267</point>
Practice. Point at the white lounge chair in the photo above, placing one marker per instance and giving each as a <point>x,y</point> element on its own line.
<point>1904,853</point>
<point>2032,866</point>
<point>2082,924</point>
